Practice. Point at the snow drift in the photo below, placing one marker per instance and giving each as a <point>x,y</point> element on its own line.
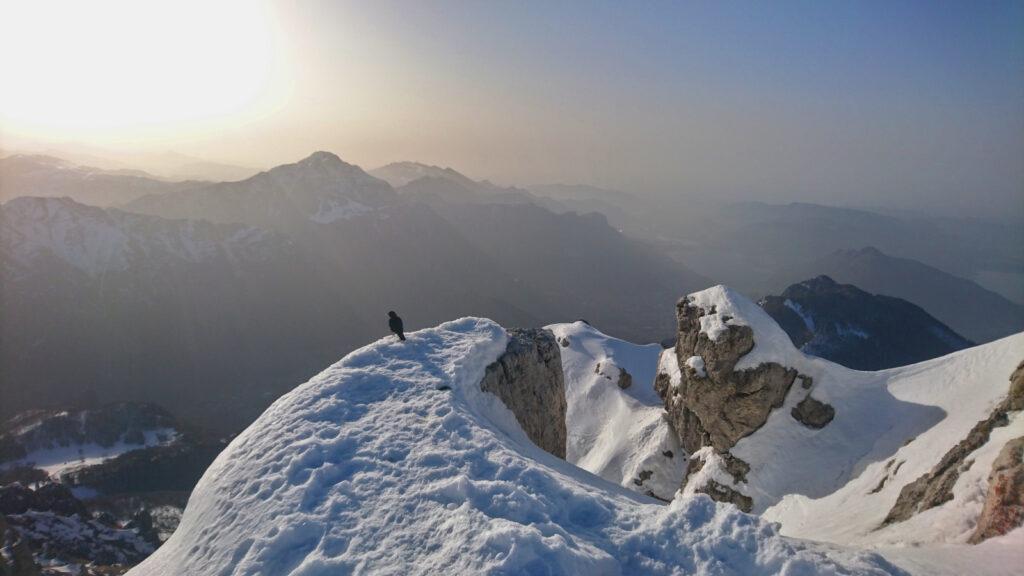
<point>393,461</point>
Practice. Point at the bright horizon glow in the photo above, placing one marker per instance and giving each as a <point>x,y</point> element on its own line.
<point>128,69</point>
<point>876,104</point>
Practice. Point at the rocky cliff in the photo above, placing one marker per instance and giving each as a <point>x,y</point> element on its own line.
<point>714,404</point>
<point>710,402</point>
<point>528,378</point>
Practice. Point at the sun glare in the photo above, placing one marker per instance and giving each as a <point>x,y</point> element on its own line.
<point>89,68</point>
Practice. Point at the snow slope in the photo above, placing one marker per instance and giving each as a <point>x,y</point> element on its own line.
<point>59,460</point>
<point>620,435</point>
<point>891,425</point>
<point>372,467</point>
<point>98,240</point>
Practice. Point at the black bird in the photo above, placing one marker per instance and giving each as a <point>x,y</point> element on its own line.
<point>395,323</point>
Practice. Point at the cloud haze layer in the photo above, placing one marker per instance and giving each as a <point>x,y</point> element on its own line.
<point>903,105</point>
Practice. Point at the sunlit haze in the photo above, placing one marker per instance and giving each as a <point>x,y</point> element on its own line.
<point>908,105</point>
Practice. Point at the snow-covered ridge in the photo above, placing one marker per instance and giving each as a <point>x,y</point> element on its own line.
<point>393,461</point>
<point>97,240</point>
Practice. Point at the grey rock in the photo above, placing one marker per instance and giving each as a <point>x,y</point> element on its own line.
<point>719,492</point>
<point>625,379</point>
<point>528,378</point>
<point>723,405</point>
<point>728,404</point>
<point>813,413</point>
<point>935,487</point>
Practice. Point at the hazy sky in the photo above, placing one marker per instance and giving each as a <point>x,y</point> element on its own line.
<point>889,103</point>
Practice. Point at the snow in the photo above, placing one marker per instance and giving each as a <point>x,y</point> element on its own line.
<point>796,307</point>
<point>713,470</point>
<point>844,330</point>
<point>59,460</point>
<point>87,240</point>
<point>668,364</point>
<point>617,434</point>
<point>771,343</point>
<point>98,241</point>
<point>371,468</point>
<point>334,209</point>
<point>696,363</point>
<point>1001,556</point>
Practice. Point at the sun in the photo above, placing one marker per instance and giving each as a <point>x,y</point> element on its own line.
<point>80,69</point>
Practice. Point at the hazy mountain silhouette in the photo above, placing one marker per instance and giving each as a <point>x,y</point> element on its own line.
<point>304,260</point>
<point>33,175</point>
<point>966,307</point>
<point>847,325</point>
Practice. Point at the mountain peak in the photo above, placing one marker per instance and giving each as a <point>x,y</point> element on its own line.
<point>820,281</point>
<point>869,251</point>
<point>401,173</point>
<point>321,157</point>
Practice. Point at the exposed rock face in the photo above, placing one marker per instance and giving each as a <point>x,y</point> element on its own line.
<point>711,404</point>
<point>1004,502</point>
<point>625,379</point>
<point>813,413</point>
<point>720,491</point>
<point>727,404</point>
<point>936,487</point>
<point>528,378</point>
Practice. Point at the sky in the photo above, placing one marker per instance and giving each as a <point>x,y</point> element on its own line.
<point>914,105</point>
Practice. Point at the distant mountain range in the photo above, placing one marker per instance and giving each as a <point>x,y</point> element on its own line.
<point>844,324</point>
<point>748,245</point>
<point>22,175</point>
<point>101,305</point>
<point>304,260</point>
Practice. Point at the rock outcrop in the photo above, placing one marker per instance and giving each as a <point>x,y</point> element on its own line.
<point>712,404</point>
<point>529,380</point>
<point>614,372</point>
<point>719,405</point>
<point>935,487</point>
<point>1004,502</point>
<point>813,413</point>
<point>720,482</point>
<point>625,379</point>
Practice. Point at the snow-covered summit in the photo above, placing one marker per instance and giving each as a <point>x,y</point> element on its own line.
<point>393,461</point>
